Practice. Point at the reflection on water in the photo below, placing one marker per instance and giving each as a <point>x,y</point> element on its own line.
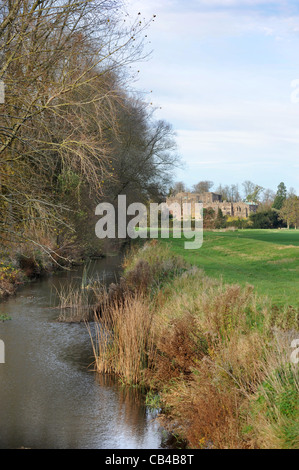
<point>49,397</point>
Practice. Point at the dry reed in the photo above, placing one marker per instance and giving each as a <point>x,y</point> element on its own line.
<point>122,341</point>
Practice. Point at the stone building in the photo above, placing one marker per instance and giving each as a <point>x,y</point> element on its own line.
<point>214,201</point>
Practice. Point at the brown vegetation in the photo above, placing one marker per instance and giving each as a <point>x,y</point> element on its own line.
<point>207,350</point>
<point>70,132</point>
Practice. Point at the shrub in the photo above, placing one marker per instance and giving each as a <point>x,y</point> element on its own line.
<point>266,220</point>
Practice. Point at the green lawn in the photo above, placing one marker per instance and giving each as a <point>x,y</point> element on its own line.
<point>267,259</point>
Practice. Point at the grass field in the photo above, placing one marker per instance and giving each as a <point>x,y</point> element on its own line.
<point>267,259</point>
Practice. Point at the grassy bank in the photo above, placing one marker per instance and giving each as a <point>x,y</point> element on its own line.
<point>267,259</point>
<point>214,356</point>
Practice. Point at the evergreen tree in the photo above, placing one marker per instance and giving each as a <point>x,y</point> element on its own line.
<point>280,197</point>
<point>220,219</point>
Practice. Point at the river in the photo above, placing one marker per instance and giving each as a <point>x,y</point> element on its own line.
<point>50,398</point>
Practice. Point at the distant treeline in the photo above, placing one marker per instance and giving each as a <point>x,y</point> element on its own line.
<point>275,210</point>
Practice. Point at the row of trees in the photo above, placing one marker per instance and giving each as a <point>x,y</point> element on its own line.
<point>286,206</point>
<point>71,133</point>
<point>231,193</point>
<point>280,210</point>
<point>266,219</point>
<point>275,209</point>
<point>250,192</point>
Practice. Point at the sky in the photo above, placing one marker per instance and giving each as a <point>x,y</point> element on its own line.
<point>225,74</point>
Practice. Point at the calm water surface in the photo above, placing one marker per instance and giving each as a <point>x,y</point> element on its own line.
<point>49,396</point>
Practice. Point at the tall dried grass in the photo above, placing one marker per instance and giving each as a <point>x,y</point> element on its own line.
<point>74,303</point>
<point>207,349</point>
<point>123,342</point>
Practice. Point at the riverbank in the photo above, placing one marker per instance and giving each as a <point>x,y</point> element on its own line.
<point>20,267</point>
<point>22,264</point>
<point>213,357</point>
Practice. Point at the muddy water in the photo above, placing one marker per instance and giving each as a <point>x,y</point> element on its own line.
<point>49,396</point>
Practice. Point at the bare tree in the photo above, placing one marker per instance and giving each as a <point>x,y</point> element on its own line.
<point>144,152</point>
<point>178,187</point>
<point>202,187</point>
<point>267,199</point>
<point>252,191</point>
<point>289,212</point>
<point>60,62</point>
<point>229,193</point>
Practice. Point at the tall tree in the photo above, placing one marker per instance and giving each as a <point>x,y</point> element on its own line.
<point>289,212</point>
<point>267,200</point>
<point>178,187</point>
<point>229,193</point>
<point>144,153</point>
<point>234,195</point>
<point>280,197</point>
<point>220,219</point>
<point>291,192</point>
<point>61,62</point>
<point>224,191</point>
<point>252,191</point>
<point>248,188</point>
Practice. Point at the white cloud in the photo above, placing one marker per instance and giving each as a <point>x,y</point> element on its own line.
<point>194,18</point>
<point>237,3</point>
<point>222,75</point>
